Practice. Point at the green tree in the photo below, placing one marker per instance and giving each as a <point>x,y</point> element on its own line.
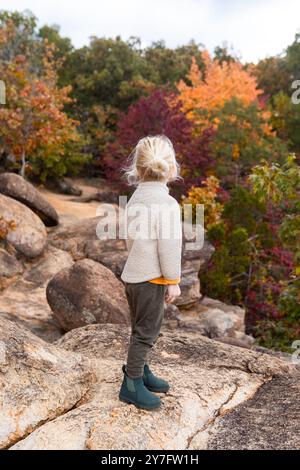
<point>227,274</point>
<point>273,75</point>
<point>243,137</point>
<point>63,45</point>
<point>293,58</point>
<point>168,66</point>
<point>102,72</point>
<point>225,54</point>
<point>286,120</point>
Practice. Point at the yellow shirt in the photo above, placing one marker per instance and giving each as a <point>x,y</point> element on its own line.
<point>163,281</point>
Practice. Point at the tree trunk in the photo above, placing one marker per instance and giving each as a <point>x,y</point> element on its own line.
<point>23,160</point>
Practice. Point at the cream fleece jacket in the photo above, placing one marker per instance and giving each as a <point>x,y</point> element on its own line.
<point>154,234</point>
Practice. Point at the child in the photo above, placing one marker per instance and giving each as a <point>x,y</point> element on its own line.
<point>152,271</point>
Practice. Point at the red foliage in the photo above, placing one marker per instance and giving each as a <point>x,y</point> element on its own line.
<point>153,115</point>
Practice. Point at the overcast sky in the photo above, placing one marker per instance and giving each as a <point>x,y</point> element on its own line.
<point>255,28</point>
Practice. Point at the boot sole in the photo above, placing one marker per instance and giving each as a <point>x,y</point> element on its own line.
<point>156,390</point>
<point>132,402</point>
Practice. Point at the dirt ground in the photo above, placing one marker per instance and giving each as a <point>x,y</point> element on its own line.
<point>73,206</point>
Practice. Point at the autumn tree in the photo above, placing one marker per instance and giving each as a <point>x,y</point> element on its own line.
<point>220,82</point>
<point>18,37</point>
<point>256,258</point>
<point>153,115</point>
<point>33,121</point>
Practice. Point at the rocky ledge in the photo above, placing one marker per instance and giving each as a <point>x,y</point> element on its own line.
<point>221,396</point>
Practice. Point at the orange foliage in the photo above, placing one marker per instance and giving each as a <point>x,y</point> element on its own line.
<point>219,83</point>
<point>34,116</point>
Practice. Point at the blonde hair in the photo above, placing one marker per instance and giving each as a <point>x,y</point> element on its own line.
<point>152,159</point>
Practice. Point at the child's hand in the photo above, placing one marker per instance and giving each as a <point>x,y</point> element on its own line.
<point>173,291</point>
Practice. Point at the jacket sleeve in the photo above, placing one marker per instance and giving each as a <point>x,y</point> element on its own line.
<point>169,239</point>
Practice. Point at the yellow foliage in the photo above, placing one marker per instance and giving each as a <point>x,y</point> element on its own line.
<point>235,151</point>
<point>206,195</point>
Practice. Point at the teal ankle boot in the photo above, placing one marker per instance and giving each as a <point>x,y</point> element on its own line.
<point>154,384</point>
<point>134,391</point>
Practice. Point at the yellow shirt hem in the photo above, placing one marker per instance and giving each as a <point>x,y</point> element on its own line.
<point>163,281</point>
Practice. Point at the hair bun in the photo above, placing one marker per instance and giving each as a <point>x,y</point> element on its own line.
<point>159,167</point>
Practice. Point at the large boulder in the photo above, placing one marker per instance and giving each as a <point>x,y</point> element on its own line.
<point>209,382</point>
<point>18,188</point>
<point>29,234</point>
<point>85,293</point>
<point>38,382</point>
<point>24,301</point>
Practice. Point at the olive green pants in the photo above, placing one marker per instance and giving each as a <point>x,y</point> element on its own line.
<point>146,304</point>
